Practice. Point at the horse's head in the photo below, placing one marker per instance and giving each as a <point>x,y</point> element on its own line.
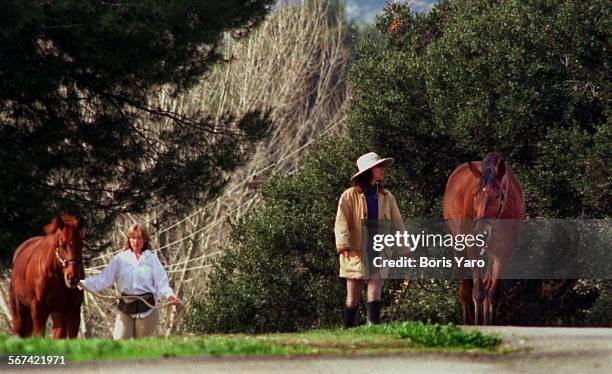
<point>490,192</point>
<point>68,235</point>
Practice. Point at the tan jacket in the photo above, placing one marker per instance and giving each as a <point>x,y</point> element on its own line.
<point>352,208</point>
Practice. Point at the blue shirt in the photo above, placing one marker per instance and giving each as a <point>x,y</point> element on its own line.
<point>372,202</point>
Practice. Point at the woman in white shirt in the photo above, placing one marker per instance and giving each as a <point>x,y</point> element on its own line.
<point>138,272</point>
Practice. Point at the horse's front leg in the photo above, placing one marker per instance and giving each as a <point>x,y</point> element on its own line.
<point>465,297</point>
<point>478,296</point>
<point>487,309</point>
<point>491,303</point>
<point>72,323</point>
<point>489,285</point>
<point>39,318</point>
<point>59,325</point>
<point>492,293</point>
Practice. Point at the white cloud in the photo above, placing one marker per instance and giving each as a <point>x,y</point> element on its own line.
<point>352,10</point>
<point>366,10</point>
<point>420,5</point>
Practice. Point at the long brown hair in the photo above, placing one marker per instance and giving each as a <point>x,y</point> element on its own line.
<point>363,180</point>
<point>130,233</point>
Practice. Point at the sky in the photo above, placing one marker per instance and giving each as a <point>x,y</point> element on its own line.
<point>366,10</point>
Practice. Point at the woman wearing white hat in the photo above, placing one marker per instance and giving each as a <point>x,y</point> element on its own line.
<point>367,199</point>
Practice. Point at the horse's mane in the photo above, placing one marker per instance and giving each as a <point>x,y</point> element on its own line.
<point>69,219</point>
<point>489,167</point>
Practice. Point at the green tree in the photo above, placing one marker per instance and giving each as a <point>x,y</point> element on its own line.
<point>79,132</point>
<point>529,79</point>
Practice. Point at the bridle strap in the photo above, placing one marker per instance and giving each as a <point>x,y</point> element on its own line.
<point>494,221</point>
<point>63,261</point>
<point>501,205</point>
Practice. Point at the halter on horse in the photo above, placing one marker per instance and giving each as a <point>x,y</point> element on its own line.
<point>46,271</point>
<point>488,196</point>
<point>66,262</point>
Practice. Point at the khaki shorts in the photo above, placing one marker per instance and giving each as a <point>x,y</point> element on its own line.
<point>127,327</point>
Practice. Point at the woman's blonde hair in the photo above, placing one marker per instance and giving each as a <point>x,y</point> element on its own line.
<point>130,233</point>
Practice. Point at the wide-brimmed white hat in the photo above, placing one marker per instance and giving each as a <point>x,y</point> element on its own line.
<point>368,161</point>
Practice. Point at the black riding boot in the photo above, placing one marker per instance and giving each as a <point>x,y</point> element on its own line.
<point>349,317</point>
<point>374,312</point>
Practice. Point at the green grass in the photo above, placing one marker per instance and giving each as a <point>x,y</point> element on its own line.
<point>435,335</point>
<point>395,337</point>
<point>96,349</point>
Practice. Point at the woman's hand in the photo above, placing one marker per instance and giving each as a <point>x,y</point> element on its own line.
<point>174,300</point>
<point>346,253</point>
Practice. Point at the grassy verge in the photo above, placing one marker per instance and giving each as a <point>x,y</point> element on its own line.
<point>435,335</point>
<point>395,337</point>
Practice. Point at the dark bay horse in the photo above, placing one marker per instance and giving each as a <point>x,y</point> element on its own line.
<point>44,278</point>
<point>483,197</point>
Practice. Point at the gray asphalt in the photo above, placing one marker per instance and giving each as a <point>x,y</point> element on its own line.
<point>540,350</point>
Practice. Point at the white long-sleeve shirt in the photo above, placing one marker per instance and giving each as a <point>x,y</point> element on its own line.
<point>133,277</point>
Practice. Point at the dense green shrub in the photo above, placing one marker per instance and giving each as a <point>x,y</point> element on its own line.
<point>281,274</point>
<point>524,78</point>
<point>600,313</point>
<point>430,301</point>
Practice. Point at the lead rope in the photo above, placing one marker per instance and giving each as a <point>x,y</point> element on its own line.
<point>131,298</point>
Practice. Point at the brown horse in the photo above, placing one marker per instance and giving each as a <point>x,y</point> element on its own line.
<point>46,271</point>
<point>483,197</point>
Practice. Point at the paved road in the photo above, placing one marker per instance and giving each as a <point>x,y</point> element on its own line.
<point>543,350</point>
